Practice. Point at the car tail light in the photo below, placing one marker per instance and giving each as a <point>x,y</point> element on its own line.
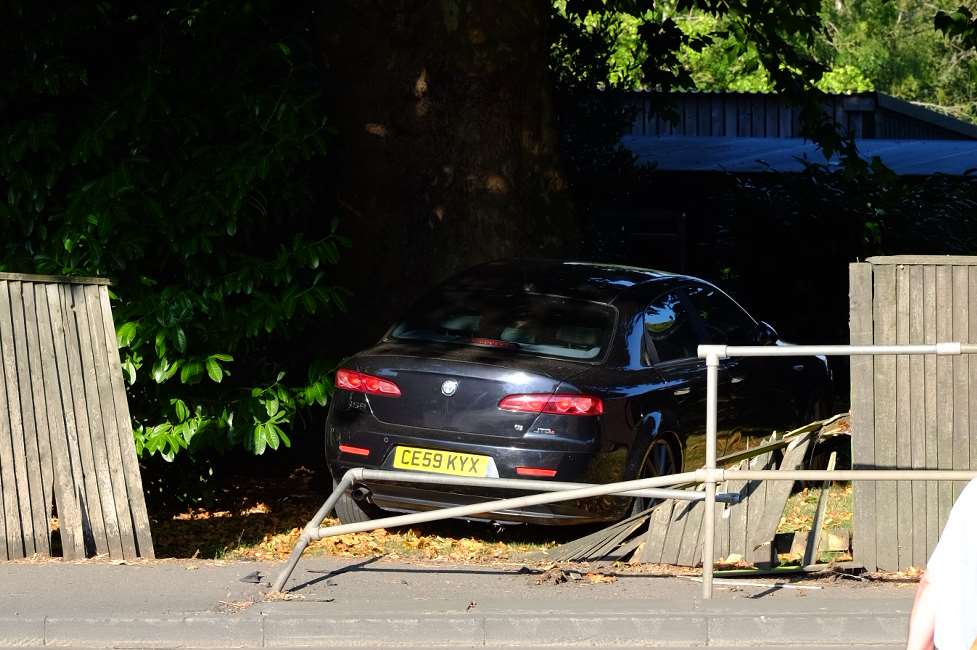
<point>535,471</point>
<point>356,451</point>
<point>359,382</point>
<point>555,404</point>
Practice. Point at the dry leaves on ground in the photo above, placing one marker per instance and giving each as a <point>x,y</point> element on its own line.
<point>254,520</point>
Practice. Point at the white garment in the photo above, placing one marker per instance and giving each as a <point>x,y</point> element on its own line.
<point>952,573</point>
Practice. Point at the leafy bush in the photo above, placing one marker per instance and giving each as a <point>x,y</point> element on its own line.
<point>169,146</point>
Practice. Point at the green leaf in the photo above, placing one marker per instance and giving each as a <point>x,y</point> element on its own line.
<point>214,371</point>
<point>163,370</point>
<point>271,432</point>
<point>222,357</point>
<point>129,370</point>
<point>271,406</point>
<point>180,408</point>
<point>152,444</point>
<point>127,333</point>
<point>181,340</point>
<point>192,372</point>
<point>160,344</point>
<point>259,439</point>
<point>321,397</point>
<point>187,430</point>
<point>285,439</point>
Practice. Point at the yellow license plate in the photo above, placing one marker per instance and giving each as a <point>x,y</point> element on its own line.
<point>441,462</point>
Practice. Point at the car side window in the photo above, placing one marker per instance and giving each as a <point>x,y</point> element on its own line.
<point>669,331</point>
<point>723,321</point>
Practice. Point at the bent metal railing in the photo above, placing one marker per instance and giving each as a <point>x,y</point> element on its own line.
<point>554,492</point>
<point>710,475</point>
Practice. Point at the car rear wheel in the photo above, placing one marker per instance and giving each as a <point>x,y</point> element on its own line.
<point>659,460</point>
<point>353,511</point>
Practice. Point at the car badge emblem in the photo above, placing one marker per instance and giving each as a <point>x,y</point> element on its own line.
<point>449,387</point>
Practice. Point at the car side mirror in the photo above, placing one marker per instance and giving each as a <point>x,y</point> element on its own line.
<point>765,334</point>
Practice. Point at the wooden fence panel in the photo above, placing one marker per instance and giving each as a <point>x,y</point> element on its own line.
<point>64,475</point>
<point>917,415</point>
<point>929,384</point>
<point>884,310</point>
<point>944,390</point>
<point>972,363</point>
<point>904,449</point>
<point>961,374</point>
<point>746,528</point>
<point>758,549</point>
<point>20,487</point>
<point>40,512</point>
<point>91,496</point>
<point>13,535</point>
<point>38,398</point>
<point>916,412</point>
<point>59,332</point>
<point>65,434</point>
<point>862,411</point>
<point>127,446</point>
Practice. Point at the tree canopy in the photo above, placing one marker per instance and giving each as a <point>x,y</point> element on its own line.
<point>912,50</point>
<point>191,151</point>
<point>169,147</point>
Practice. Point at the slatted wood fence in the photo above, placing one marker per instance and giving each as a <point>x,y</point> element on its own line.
<point>66,441</point>
<point>746,528</point>
<point>910,411</point>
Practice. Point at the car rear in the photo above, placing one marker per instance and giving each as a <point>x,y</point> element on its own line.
<point>475,385</point>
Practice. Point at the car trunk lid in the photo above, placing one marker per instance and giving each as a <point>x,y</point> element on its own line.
<point>451,389</point>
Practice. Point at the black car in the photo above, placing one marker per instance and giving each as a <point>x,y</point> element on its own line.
<point>556,370</point>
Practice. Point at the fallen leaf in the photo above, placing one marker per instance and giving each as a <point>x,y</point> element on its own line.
<point>600,578</point>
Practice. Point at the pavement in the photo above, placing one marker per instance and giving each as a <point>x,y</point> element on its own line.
<point>341,603</point>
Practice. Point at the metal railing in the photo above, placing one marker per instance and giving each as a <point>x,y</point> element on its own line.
<point>649,488</point>
<point>710,475</point>
<point>713,353</point>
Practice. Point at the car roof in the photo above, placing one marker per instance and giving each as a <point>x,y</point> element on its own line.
<point>582,280</point>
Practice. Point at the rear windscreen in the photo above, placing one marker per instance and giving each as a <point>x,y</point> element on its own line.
<point>531,323</point>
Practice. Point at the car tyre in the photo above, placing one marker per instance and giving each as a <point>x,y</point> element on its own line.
<point>660,459</point>
<point>351,511</point>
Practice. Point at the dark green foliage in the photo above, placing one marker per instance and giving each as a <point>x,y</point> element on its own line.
<point>960,24</point>
<point>174,148</point>
<point>891,46</point>
<point>786,239</point>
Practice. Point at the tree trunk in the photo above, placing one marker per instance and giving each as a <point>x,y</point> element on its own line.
<point>447,143</point>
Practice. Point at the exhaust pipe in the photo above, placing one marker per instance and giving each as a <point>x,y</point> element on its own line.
<point>360,494</point>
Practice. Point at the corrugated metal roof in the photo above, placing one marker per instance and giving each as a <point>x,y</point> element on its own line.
<point>771,115</point>
<point>740,155</point>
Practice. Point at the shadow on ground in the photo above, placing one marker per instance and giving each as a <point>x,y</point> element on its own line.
<point>261,519</point>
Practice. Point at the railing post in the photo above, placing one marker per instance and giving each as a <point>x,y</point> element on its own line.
<point>709,533</point>
<point>313,526</point>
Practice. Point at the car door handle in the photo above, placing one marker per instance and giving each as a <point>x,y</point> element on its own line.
<point>736,380</point>
<point>799,366</point>
<point>682,391</point>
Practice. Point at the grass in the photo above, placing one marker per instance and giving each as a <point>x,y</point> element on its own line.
<point>801,507</point>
